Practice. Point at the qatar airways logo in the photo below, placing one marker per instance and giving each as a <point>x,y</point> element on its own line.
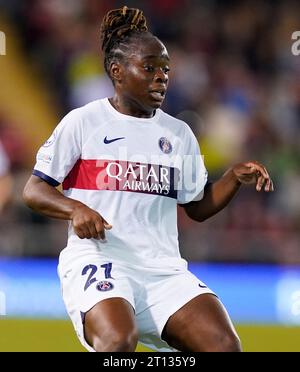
<point>137,177</point>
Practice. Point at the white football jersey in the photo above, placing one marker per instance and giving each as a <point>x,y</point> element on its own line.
<point>133,171</point>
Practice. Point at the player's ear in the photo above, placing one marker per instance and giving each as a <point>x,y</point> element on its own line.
<point>116,71</point>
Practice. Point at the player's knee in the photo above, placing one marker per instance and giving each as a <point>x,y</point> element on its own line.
<point>121,341</point>
<point>116,341</point>
<point>228,342</point>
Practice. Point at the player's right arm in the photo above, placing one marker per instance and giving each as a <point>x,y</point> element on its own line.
<point>55,159</point>
<point>46,199</point>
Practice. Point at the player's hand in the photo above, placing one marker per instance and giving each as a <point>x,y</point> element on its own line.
<point>89,224</point>
<point>253,172</point>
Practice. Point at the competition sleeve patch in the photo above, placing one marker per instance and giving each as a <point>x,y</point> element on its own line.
<point>119,175</point>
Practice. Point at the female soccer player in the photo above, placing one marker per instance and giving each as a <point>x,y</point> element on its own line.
<point>125,165</point>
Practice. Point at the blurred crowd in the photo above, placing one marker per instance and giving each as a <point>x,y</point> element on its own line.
<point>233,79</point>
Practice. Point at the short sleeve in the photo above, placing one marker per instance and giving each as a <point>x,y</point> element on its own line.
<point>193,174</point>
<point>60,152</point>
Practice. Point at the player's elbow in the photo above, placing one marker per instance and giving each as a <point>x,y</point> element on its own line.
<point>33,191</point>
<point>28,195</point>
<point>194,213</point>
<point>198,218</point>
<point>201,216</point>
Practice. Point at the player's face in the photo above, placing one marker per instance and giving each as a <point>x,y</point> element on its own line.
<point>145,78</point>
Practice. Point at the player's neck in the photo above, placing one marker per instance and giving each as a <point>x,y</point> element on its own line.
<point>128,107</point>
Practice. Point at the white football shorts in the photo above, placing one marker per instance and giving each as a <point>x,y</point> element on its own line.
<point>155,296</point>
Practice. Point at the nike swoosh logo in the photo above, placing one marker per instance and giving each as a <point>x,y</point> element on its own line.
<point>202,286</point>
<point>107,141</point>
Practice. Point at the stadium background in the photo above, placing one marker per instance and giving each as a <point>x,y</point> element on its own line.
<point>236,82</point>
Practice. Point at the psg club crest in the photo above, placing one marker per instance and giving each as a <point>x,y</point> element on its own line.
<point>165,145</point>
<point>104,286</point>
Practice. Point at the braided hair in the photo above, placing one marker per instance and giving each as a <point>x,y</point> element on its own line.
<point>118,27</point>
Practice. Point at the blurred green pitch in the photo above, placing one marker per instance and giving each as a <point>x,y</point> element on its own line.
<point>58,335</point>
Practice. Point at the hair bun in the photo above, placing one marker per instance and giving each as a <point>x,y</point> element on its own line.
<point>118,23</point>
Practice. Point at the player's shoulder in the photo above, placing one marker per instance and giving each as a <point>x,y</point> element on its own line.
<point>84,116</point>
<point>89,110</point>
<point>177,126</point>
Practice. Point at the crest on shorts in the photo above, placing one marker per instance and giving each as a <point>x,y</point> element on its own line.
<point>165,145</point>
<point>104,286</point>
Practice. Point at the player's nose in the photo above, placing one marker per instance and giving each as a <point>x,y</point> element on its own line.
<point>161,77</point>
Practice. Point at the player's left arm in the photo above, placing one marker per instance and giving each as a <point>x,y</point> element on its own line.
<point>218,194</point>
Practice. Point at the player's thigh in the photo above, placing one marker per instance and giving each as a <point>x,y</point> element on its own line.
<point>98,296</point>
<point>201,325</point>
<point>110,319</point>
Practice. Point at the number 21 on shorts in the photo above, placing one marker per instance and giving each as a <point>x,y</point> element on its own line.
<point>91,271</point>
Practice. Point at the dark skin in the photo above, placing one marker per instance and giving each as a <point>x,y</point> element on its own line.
<point>202,324</point>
